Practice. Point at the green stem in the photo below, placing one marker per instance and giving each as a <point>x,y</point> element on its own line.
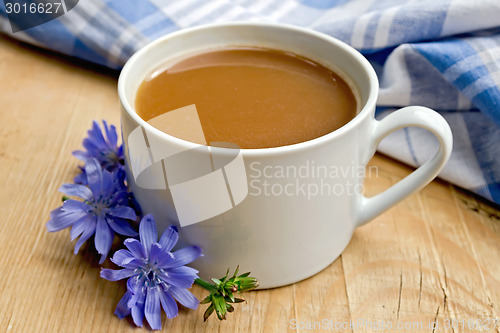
<point>204,284</point>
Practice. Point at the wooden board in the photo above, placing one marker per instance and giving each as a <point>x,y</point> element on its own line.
<point>432,258</point>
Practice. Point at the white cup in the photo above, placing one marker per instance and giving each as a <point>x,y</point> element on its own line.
<point>282,213</point>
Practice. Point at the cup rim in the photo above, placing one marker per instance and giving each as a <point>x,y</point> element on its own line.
<point>365,111</point>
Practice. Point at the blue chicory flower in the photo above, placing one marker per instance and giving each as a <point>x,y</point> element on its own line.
<point>103,212</point>
<point>104,149</point>
<point>157,276</point>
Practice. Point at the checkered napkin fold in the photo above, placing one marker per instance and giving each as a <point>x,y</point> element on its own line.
<point>444,54</point>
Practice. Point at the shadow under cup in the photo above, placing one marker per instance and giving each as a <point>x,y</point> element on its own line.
<point>217,196</point>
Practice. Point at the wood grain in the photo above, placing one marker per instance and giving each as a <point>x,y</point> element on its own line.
<point>433,257</point>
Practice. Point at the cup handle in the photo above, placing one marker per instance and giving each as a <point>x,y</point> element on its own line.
<point>417,116</point>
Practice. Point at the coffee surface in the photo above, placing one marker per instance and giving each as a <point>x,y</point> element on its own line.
<point>252,97</point>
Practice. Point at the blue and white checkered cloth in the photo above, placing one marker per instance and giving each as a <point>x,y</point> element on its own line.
<point>444,54</point>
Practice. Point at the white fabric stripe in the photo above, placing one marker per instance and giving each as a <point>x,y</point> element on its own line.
<point>462,168</point>
<point>171,7</point>
<point>200,13</point>
<point>395,85</point>
<point>116,48</point>
<point>78,25</point>
<point>230,14</point>
<point>471,62</point>
<point>74,20</point>
<point>148,21</point>
<point>384,27</point>
<point>396,146</point>
<point>358,35</point>
<point>490,56</point>
<point>258,6</point>
<point>112,53</point>
<point>468,15</point>
<point>281,11</point>
<point>351,9</point>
